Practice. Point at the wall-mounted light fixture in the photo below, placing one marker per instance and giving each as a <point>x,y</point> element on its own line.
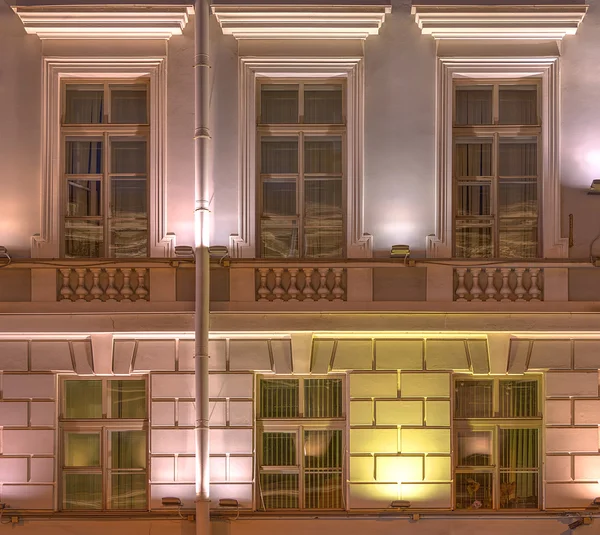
<point>594,187</point>
<point>400,504</point>
<point>228,502</point>
<point>171,501</point>
<point>220,254</point>
<point>184,251</point>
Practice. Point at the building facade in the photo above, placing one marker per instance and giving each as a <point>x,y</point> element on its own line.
<point>404,282</point>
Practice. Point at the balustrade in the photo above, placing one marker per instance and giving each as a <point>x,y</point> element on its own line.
<point>103,284</point>
<point>300,284</point>
<point>498,284</point>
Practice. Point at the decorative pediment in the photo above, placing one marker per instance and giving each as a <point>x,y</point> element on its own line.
<point>104,21</point>
<point>247,21</point>
<point>499,21</point>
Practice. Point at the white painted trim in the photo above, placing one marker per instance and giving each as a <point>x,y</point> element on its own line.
<point>109,22</point>
<point>499,21</point>
<point>48,243</point>
<point>547,69</point>
<point>358,244</point>
<point>284,21</point>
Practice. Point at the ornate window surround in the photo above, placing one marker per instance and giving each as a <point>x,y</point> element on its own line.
<point>47,244</point>
<point>439,245</point>
<point>358,244</point>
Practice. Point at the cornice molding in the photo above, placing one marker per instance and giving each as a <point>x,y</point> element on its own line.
<point>247,21</point>
<point>104,21</point>
<point>499,21</point>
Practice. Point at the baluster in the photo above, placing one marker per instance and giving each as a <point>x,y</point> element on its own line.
<point>126,290</point>
<point>505,291</point>
<point>337,290</point>
<point>141,291</point>
<point>323,291</point>
<point>81,291</point>
<point>111,292</point>
<point>308,291</point>
<point>96,291</point>
<point>263,291</point>
<point>66,291</point>
<point>293,291</point>
<point>519,289</point>
<point>490,288</point>
<point>461,290</point>
<point>278,290</point>
<point>534,289</point>
<point>475,287</point>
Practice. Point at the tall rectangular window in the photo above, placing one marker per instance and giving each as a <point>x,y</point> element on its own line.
<point>497,441</point>
<point>301,443</point>
<point>104,131</point>
<point>104,444</point>
<point>496,169</point>
<point>302,137</point>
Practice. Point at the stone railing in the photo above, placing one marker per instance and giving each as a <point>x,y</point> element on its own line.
<point>498,284</point>
<point>300,284</point>
<point>103,284</point>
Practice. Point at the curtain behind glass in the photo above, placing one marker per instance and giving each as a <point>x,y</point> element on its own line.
<point>519,465</point>
<point>83,399</point>
<point>84,104</point>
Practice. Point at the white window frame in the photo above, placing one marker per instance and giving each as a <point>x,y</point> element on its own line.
<point>102,426</point>
<point>47,244</point>
<point>244,243</point>
<point>546,69</point>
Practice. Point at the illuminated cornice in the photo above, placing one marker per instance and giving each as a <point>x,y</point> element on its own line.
<point>104,21</point>
<point>499,21</point>
<point>247,21</point>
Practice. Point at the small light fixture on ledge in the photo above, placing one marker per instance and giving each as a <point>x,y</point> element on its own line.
<point>594,187</point>
<point>596,501</point>
<point>171,501</point>
<point>220,254</point>
<point>400,504</point>
<point>184,251</point>
<point>400,251</point>
<point>228,502</point>
<point>4,255</point>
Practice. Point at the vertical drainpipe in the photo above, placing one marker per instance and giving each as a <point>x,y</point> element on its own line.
<point>202,234</point>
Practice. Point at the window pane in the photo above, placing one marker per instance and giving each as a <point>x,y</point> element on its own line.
<point>84,198</point>
<point>473,399</point>
<point>518,104</point>
<point>474,491</point>
<point>83,399</point>
<point>128,491</point>
<point>279,398</point>
<point>518,157</point>
<point>473,199</point>
<point>324,242</point>
<point>279,239</point>
<point>323,155</point>
<point>473,157</point>
<point>322,449</point>
<point>474,448</point>
<point>518,238</point>
<point>279,449</point>
<point>279,491</point>
<point>82,491</point>
<point>474,242</point>
<point>518,448</point>
<point>128,156</point>
<point>128,449</point>
<point>323,398</point>
<point>323,200</point>
<point>128,197</point>
<point>127,399</point>
<point>279,197</point>
<point>473,105</point>
<point>518,399</point>
<point>517,198</point>
<point>128,104</point>
<point>323,490</point>
<point>279,155</point>
<point>519,490</point>
<point>82,449</point>
<point>279,104</point>
<point>84,104</point>
<point>128,239</point>
<point>323,104</point>
<point>83,239</point>
<point>83,157</point>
